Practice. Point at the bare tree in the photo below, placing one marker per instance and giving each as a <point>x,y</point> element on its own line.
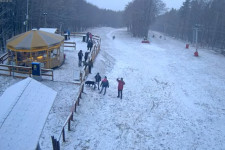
<point>140,14</point>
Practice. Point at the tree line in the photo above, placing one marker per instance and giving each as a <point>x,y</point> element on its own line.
<point>73,15</point>
<point>207,17</point>
<point>140,14</point>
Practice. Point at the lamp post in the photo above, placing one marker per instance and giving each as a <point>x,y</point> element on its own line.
<point>45,14</point>
<point>196,29</point>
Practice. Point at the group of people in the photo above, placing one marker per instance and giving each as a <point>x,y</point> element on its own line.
<point>89,45</point>
<point>105,84</point>
<point>67,33</point>
<point>85,63</point>
<point>88,36</point>
<point>89,41</point>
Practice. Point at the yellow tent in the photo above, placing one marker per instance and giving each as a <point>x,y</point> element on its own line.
<point>36,45</point>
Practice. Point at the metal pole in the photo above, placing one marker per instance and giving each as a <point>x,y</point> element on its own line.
<point>45,14</point>
<point>196,29</point>
<point>45,21</point>
<point>196,38</point>
<point>27,16</point>
<point>13,63</point>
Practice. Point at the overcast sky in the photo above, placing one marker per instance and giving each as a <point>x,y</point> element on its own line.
<point>120,4</point>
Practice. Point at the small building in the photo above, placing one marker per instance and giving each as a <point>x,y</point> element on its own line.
<point>36,46</point>
<point>24,108</point>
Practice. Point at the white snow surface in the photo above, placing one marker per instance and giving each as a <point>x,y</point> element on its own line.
<point>24,108</point>
<point>171,99</point>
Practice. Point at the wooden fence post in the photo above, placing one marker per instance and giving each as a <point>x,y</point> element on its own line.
<point>10,71</point>
<point>78,101</point>
<point>55,143</point>
<point>64,139</point>
<point>52,76</point>
<point>80,95</point>
<point>58,145</point>
<point>69,125</point>
<point>80,77</point>
<point>75,107</point>
<point>82,89</point>
<point>72,116</point>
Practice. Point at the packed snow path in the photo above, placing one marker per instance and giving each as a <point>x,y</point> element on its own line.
<point>171,99</point>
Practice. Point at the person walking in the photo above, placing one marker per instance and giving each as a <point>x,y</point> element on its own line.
<point>80,55</point>
<point>104,84</point>
<point>86,56</point>
<point>90,65</point>
<point>121,83</point>
<point>98,79</point>
<point>90,36</point>
<point>68,32</point>
<point>87,37</point>
<point>89,45</point>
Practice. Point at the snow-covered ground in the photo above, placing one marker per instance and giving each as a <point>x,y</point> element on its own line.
<point>171,99</point>
<point>66,88</point>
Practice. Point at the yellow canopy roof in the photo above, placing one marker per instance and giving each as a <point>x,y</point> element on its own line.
<point>34,40</point>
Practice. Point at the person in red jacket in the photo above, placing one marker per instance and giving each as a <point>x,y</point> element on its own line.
<point>104,84</point>
<point>121,83</point>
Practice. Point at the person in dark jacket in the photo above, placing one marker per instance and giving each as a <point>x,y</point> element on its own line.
<point>86,56</point>
<point>87,37</point>
<point>68,32</point>
<point>90,65</point>
<point>104,84</point>
<point>80,55</point>
<point>121,83</point>
<point>98,78</point>
<point>89,45</point>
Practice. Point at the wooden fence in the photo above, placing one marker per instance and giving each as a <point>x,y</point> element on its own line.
<point>83,75</point>
<point>70,117</point>
<point>93,55</point>
<point>23,72</point>
<point>4,57</point>
<point>81,34</point>
<point>70,44</point>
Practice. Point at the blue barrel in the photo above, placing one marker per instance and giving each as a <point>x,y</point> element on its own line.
<point>36,68</point>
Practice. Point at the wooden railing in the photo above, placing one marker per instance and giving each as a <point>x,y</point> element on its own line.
<point>70,117</point>
<point>47,72</point>
<point>93,55</point>
<point>83,76</point>
<point>4,57</point>
<point>15,71</point>
<point>70,44</point>
<point>23,72</point>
